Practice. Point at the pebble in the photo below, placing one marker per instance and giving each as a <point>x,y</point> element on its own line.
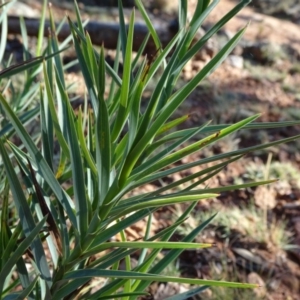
<point>21,9</point>
<point>235,61</point>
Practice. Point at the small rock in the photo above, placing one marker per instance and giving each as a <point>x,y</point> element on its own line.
<point>208,50</point>
<point>133,263</point>
<point>274,284</point>
<point>293,50</point>
<point>166,290</point>
<point>264,52</point>
<point>254,278</point>
<point>235,61</point>
<point>248,255</point>
<point>165,6</point>
<point>238,50</point>
<point>265,197</point>
<point>22,9</point>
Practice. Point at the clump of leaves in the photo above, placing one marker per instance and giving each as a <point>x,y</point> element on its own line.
<point>61,210</point>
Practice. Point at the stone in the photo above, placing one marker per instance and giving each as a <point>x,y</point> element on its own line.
<point>260,291</point>
<point>235,61</point>
<point>263,52</point>
<point>22,9</point>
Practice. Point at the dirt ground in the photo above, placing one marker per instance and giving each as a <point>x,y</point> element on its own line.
<point>259,77</point>
<point>257,231</point>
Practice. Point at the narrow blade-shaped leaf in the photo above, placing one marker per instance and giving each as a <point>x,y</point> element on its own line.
<point>121,116</point>
<point>40,162</point>
<point>152,277</point>
<point>25,215</point>
<point>103,138</point>
<point>76,166</point>
<point>188,294</point>
<point>21,249</point>
<point>173,104</point>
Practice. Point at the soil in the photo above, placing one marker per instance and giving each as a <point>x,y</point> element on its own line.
<point>262,75</point>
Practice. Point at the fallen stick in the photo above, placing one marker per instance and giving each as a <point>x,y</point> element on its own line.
<point>100,33</point>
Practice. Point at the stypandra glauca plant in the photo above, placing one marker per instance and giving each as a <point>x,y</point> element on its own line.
<point>61,209</point>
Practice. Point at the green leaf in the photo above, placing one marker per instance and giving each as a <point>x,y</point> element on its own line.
<point>200,10</point>
<point>223,156</point>
<point>211,171</point>
<point>117,295</point>
<point>5,233</point>
<point>41,30</point>
<point>173,124</point>
<point>55,47</point>
<point>84,66</point>
<point>151,277</point>
<point>105,235</point>
<point>168,160</point>
<point>122,31</point>
<point>40,163</point>
<point>144,245</point>
<point>230,187</point>
<point>25,216</point>
<point>78,17</point>
<point>23,66</point>
<point>22,295</point>
<point>4,28</point>
<point>103,139</point>
<point>121,210</point>
<point>149,24</point>
<point>24,117</point>
<point>172,105</point>
<point>114,285</point>
<point>163,81</point>
<point>80,198</point>
<point>51,106</point>
<point>182,14</point>
<point>121,115</point>
<point>47,131</point>
<point>82,141</point>
<point>151,163</point>
<point>188,294</point>
<point>198,45</point>
<point>173,254</point>
<point>214,128</point>
<point>21,249</point>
